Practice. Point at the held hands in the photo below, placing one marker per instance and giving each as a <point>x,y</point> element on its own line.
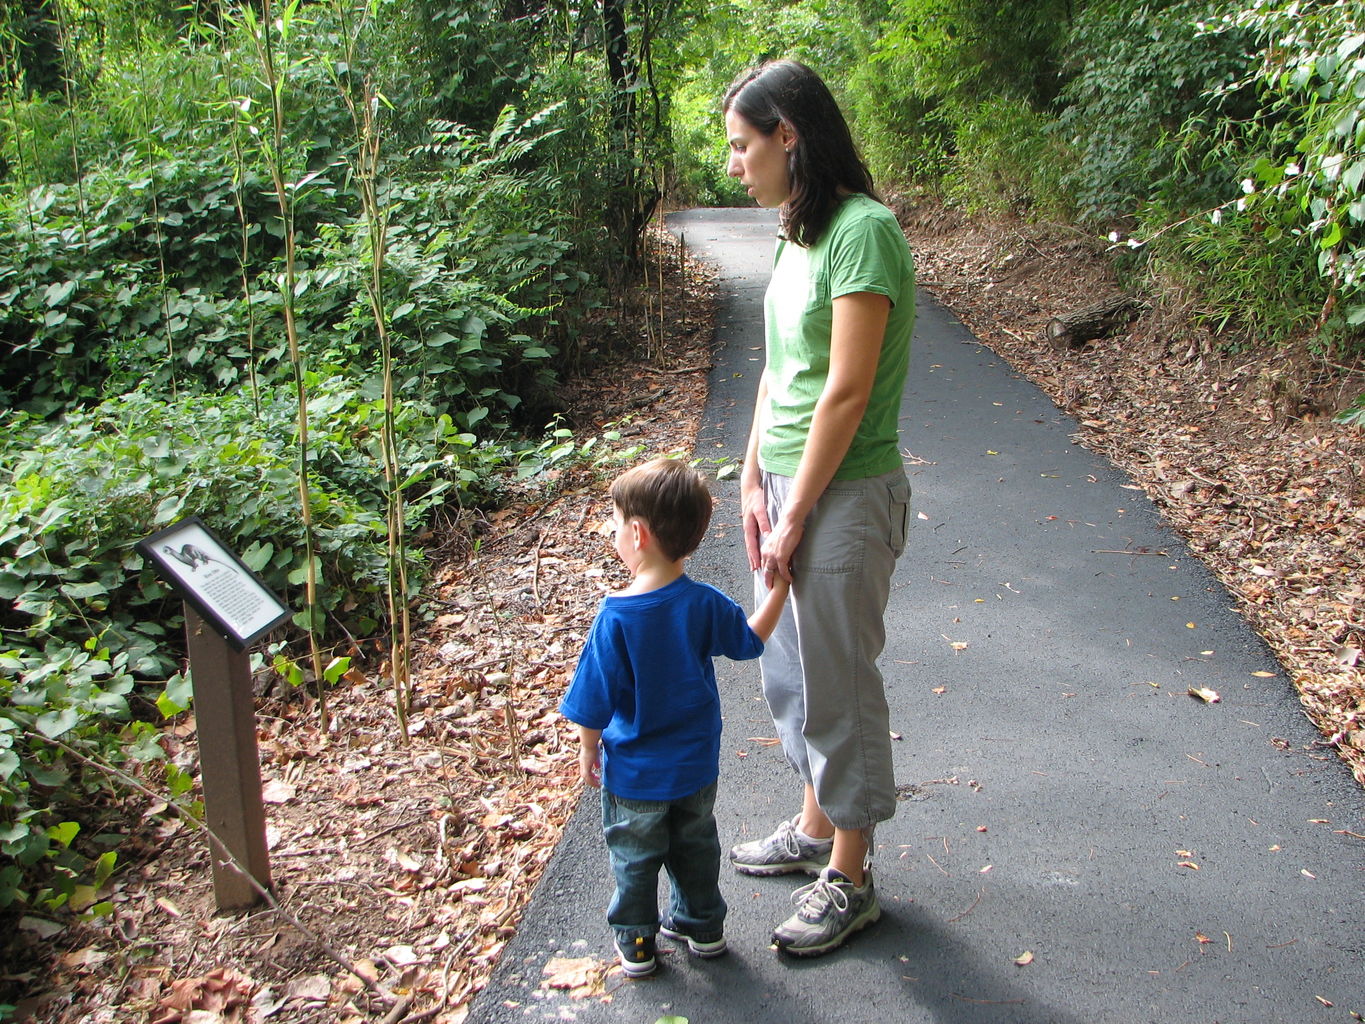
<point>770,547</point>
<point>779,547</point>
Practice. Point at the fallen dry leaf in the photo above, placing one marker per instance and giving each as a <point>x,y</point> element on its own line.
<point>277,791</point>
<point>1205,694</point>
<point>1347,657</point>
<point>582,977</point>
<point>168,906</point>
<point>311,988</point>
<point>41,927</point>
<point>1024,959</point>
<point>223,992</point>
<point>87,957</point>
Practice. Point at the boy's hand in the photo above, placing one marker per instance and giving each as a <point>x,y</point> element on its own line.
<point>590,766</point>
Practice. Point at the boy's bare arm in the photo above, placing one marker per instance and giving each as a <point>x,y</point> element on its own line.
<point>764,619</point>
<point>590,756</point>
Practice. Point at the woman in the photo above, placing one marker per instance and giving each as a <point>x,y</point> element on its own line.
<point>826,501</point>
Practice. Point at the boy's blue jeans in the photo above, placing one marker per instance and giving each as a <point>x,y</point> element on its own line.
<point>678,836</point>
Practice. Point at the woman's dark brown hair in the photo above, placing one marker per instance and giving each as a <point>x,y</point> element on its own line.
<point>824,165</point>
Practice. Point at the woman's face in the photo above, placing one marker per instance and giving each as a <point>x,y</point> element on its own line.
<point>759,161</point>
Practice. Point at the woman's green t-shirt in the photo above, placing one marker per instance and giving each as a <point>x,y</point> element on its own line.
<point>863,250</point>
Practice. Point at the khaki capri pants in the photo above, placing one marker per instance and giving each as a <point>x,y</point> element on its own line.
<point>820,675</point>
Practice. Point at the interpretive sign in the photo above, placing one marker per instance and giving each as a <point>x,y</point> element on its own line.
<point>226,609</point>
<point>224,592</point>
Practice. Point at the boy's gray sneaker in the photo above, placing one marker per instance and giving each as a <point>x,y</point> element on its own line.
<point>781,853</point>
<point>704,948</point>
<point>828,911</point>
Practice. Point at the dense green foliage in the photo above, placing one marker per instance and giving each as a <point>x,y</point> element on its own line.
<point>1223,137</point>
<point>310,271</point>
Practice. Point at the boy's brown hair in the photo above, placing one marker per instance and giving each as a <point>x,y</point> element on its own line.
<point>672,498</point>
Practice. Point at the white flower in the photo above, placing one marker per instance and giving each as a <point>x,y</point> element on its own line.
<point>1114,236</point>
<point>1217,216</point>
<point>1241,204</point>
<point>1248,186</point>
<point>1292,169</point>
<point>1134,243</point>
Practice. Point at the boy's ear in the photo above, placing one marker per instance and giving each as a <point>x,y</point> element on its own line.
<point>639,533</point>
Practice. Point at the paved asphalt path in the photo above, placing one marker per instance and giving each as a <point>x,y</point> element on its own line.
<point>1163,860</point>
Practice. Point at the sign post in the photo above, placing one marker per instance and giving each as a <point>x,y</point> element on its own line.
<point>226,609</point>
<point>230,763</point>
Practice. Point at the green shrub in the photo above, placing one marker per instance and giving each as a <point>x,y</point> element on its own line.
<point>1310,180</point>
<point>1007,160</point>
<point>477,269</point>
<point>1246,283</point>
<point>1148,85</point>
<point>88,627</point>
<point>905,137</point>
<point>924,84</point>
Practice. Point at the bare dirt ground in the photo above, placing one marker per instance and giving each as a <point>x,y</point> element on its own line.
<point>401,864</point>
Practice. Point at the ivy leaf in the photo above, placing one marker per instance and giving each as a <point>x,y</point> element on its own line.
<point>1350,178</point>
<point>176,697</point>
<point>64,833</point>
<point>58,292</point>
<point>54,723</point>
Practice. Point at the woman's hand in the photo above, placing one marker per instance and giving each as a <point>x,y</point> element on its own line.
<point>779,547</point>
<point>755,511</point>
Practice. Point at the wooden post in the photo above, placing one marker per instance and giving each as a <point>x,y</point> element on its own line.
<point>225,714</point>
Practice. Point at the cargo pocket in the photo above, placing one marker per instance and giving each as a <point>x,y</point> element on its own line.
<point>898,494</point>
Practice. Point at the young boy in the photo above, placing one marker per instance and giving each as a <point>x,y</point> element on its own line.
<point>645,700</point>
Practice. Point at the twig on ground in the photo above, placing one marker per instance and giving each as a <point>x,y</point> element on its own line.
<point>975,903</point>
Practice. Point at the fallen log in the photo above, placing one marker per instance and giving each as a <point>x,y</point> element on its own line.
<point>1098,320</point>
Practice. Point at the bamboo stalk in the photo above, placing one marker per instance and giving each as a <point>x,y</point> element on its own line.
<point>365,165</point>
<point>272,148</point>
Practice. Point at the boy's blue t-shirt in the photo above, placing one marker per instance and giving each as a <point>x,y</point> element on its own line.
<point>646,680</point>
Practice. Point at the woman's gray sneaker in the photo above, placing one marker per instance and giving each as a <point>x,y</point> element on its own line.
<point>781,853</point>
<point>828,911</point>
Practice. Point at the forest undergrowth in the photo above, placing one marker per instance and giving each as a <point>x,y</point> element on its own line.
<point>411,859</point>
